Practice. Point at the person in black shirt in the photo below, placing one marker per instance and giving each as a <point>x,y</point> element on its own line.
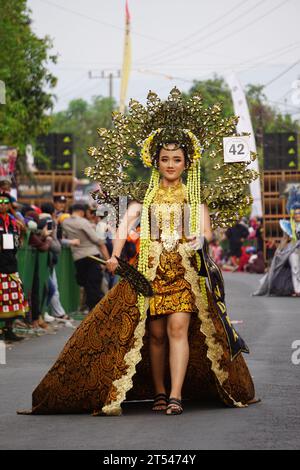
<point>12,302</point>
<point>236,236</point>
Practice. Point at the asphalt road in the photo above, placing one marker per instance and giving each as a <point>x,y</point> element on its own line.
<point>270,326</point>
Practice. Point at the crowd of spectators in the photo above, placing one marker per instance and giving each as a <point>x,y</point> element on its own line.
<point>240,248</point>
<point>47,228</point>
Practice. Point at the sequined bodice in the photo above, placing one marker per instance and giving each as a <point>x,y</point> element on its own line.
<point>167,215</point>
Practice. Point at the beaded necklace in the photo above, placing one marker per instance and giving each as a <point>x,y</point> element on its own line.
<point>194,199</point>
<point>167,207</point>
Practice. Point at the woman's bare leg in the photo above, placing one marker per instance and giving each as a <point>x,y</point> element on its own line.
<point>158,342</point>
<point>177,329</point>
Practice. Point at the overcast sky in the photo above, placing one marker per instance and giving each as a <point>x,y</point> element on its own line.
<point>181,39</point>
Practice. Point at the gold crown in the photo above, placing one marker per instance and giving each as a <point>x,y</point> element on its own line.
<point>183,121</point>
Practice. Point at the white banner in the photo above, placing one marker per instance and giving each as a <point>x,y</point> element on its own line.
<point>2,352</point>
<point>245,125</point>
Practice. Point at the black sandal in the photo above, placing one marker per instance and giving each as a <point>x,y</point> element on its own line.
<point>163,399</point>
<point>175,406</point>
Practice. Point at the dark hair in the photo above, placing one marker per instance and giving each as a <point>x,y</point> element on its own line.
<point>26,208</point>
<point>48,207</point>
<point>6,195</point>
<point>60,198</point>
<point>3,182</point>
<point>77,207</point>
<point>43,222</point>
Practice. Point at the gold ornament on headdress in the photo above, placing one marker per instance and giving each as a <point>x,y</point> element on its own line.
<point>184,122</point>
<point>147,151</point>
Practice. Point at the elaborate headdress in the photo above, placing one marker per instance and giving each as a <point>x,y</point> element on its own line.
<point>192,126</point>
<point>293,203</point>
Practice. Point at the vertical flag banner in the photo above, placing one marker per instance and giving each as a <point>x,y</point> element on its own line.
<point>245,125</point>
<point>126,60</point>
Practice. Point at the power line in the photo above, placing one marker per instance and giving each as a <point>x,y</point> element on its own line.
<point>271,54</point>
<point>187,47</point>
<point>110,76</point>
<point>282,73</point>
<point>255,65</point>
<point>104,23</point>
<point>284,104</point>
<point>164,75</point>
<point>75,89</point>
<point>283,97</point>
<point>81,93</point>
<point>219,18</point>
<point>233,33</point>
<point>77,82</point>
<point>276,53</point>
<point>237,66</point>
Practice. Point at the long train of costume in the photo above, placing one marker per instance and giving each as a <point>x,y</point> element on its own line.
<point>106,361</point>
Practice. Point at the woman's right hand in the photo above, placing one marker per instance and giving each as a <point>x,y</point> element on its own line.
<point>112,264</point>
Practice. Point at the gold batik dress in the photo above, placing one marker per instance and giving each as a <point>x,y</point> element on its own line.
<point>106,361</point>
<point>173,293</point>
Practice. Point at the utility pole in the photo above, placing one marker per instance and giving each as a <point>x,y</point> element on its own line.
<point>110,76</point>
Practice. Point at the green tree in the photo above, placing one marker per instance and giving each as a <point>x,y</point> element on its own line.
<point>266,118</point>
<point>23,68</point>
<point>213,91</point>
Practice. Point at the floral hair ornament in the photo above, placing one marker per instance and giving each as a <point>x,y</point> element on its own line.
<point>149,148</point>
<point>147,144</point>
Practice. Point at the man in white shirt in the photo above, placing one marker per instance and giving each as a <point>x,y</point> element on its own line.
<point>88,271</point>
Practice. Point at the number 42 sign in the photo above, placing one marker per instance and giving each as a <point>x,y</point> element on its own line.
<point>237,149</point>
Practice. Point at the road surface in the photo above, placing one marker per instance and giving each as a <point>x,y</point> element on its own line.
<point>269,325</point>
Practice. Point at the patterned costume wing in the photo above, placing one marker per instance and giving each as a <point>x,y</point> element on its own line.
<point>212,271</point>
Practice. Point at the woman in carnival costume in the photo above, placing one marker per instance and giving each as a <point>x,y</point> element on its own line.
<point>179,342</point>
<point>283,277</point>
